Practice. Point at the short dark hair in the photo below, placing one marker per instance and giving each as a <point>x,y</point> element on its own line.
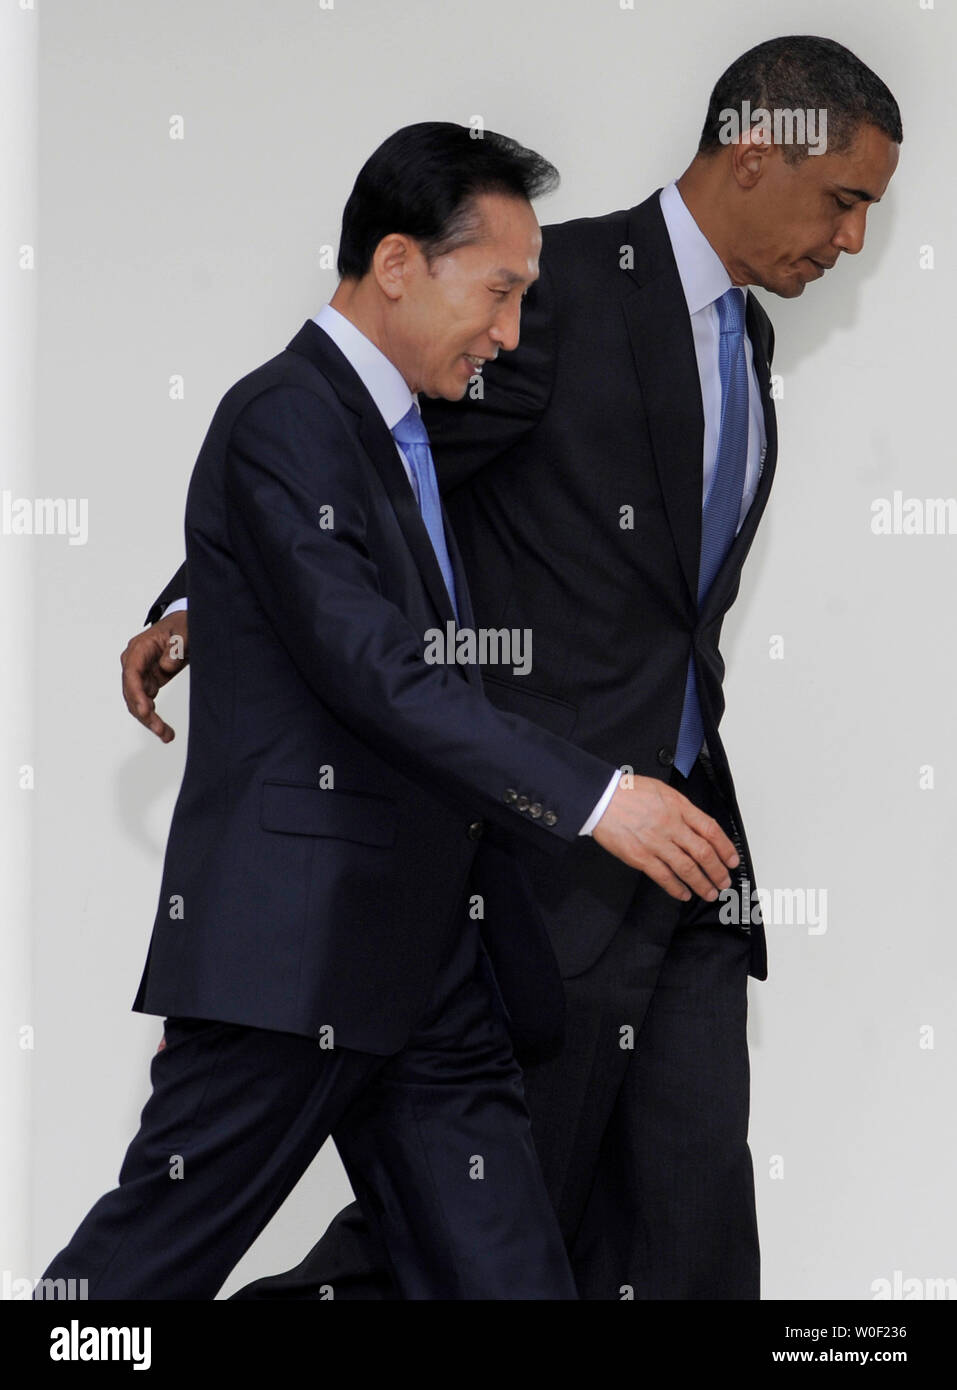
<point>804,73</point>
<point>422,182</point>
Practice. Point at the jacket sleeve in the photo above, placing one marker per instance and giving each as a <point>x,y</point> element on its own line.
<point>176,588</point>
<point>288,455</point>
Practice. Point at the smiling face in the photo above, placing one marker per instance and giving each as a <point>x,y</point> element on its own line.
<point>449,317</point>
<point>796,219</point>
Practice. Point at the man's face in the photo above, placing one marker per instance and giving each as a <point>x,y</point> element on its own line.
<point>800,217</point>
<point>462,309</point>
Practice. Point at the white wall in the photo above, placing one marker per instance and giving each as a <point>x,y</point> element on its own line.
<point>201,257</point>
<point>18,748</point>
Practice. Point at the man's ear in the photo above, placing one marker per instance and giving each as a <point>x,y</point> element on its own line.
<point>750,154</point>
<point>392,263</point>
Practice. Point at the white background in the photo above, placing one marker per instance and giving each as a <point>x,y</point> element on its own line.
<point>200,257</point>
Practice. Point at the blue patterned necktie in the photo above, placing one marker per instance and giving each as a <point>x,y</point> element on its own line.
<point>719,517</point>
<point>411,435</point>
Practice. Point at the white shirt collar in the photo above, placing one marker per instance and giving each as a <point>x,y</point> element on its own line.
<point>702,274</point>
<point>381,378</point>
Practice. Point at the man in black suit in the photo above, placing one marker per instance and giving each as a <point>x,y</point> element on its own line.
<point>605,485</point>
<point>314,952</point>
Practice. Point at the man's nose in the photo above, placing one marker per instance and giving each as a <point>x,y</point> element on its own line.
<point>506,328</point>
<point>850,235</point>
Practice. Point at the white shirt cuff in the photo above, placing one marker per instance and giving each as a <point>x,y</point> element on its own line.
<point>602,806</point>
<point>179,605</point>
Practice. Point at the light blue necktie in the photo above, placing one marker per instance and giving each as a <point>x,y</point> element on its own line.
<point>412,436</point>
<point>719,517</point>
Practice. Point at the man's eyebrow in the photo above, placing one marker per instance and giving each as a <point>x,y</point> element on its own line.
<point>509,276</point>
<point>858,194</point>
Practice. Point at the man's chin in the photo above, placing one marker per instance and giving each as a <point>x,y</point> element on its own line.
<point>452,391</point>
<point>790,286</point>
<point>792,290</point>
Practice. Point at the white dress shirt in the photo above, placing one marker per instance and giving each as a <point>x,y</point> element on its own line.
<point>704,280</point>
<point>381,378</point>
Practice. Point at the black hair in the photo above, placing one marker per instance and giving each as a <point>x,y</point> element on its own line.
<point>803,73</point>
<point>422,182</point>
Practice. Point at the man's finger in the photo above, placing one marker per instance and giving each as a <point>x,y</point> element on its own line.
<point>685,868</point>
<point>659,872</point>
<point>705,856</point>
<point>139,687</point>
<point>163,731</point>
<point>710,830</point>
<point>138,699</point>
<point>144,710</point>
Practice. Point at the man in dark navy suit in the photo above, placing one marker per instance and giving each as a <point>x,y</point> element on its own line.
<point>313,952</point>
<point>605,486</point>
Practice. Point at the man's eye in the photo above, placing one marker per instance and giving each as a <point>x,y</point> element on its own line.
<point>841,203</point>
<point>503,293</point>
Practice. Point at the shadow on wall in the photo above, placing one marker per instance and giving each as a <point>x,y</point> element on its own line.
<point>147,782</point>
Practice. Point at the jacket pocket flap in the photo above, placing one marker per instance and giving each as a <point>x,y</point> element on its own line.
<point>299,809</point>
<point>557,716</point>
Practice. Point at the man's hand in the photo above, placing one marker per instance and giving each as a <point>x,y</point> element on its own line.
<point>652,827</point>
<point>152,658</point>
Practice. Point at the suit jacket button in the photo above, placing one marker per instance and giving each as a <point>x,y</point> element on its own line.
<point>476,830</point>
<point>535,810</point>
<point>522,803</point>
<point>549,818</point>
<point>511,796</point>
<point>666,756</point>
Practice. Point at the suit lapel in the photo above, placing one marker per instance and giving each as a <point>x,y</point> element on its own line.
<point>318,347</point>
<point>473,673</point>
<point>466,618</point>
<point>759,331</point>
<point>662,346</point>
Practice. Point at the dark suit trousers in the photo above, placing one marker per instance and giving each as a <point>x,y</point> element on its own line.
<point>640,1122</point>
<point>435,1140</point>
